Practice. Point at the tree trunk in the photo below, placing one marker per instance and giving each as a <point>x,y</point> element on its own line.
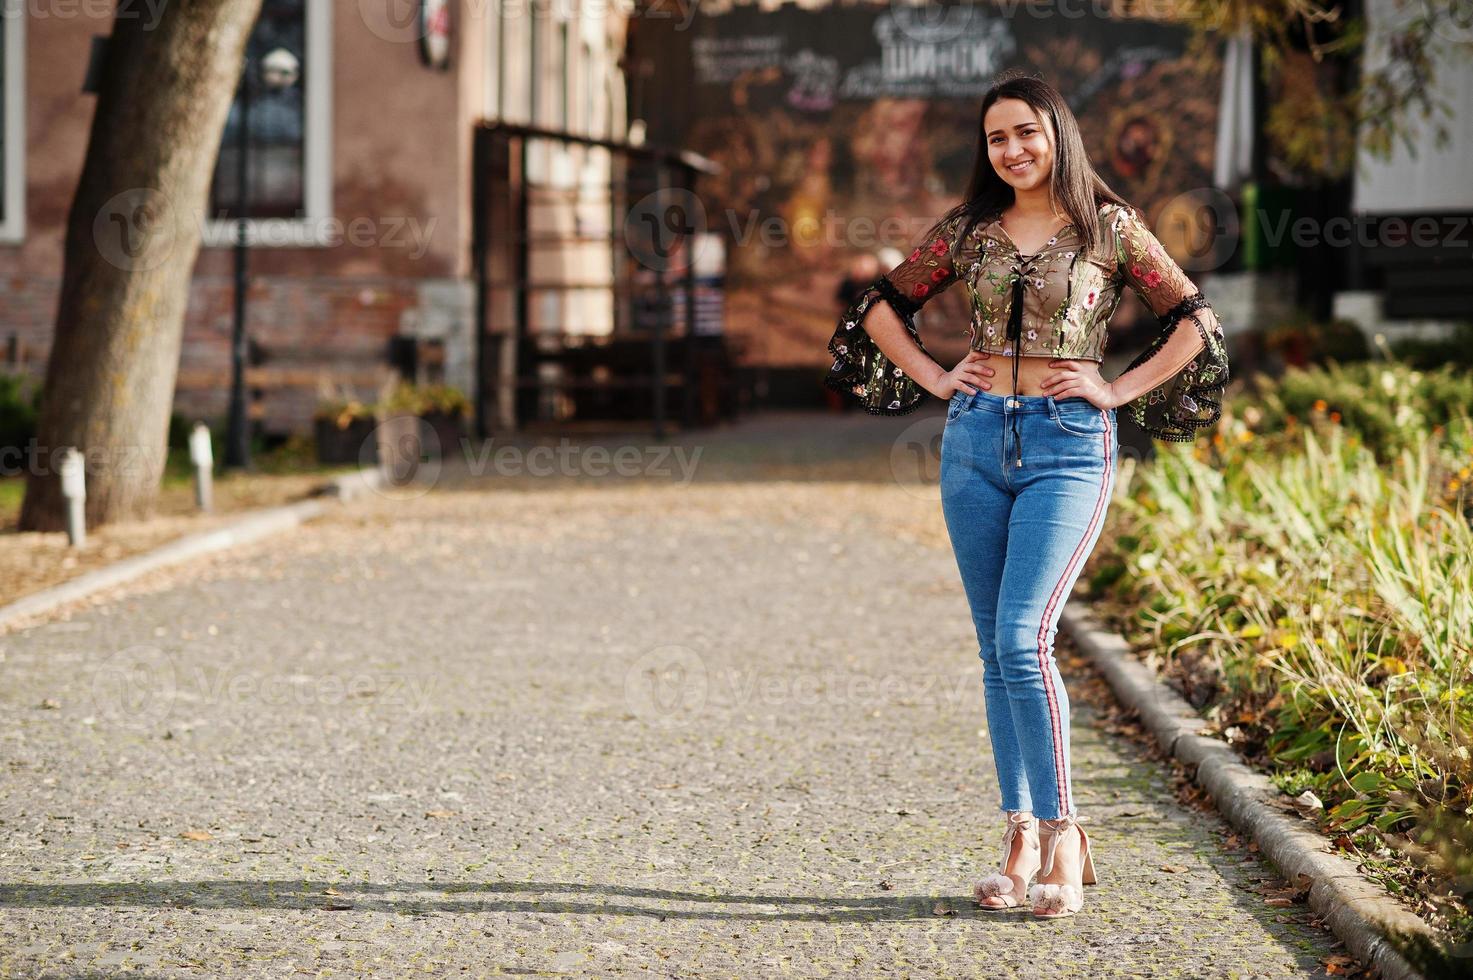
<point>132,237</point>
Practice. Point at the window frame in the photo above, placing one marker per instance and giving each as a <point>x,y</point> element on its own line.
<point>13,91</point>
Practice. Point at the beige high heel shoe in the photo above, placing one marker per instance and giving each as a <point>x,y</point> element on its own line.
<point>1055,901</point>
<point>1001,891</point>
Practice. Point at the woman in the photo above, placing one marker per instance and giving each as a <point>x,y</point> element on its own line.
<point>1028,464</point>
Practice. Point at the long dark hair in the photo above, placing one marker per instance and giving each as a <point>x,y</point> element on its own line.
<point>1075,187</point>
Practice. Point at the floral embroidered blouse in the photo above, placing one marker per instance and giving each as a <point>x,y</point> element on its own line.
<point>1055,303</point>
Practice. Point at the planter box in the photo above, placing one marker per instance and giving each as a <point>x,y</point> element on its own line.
<point>449,429</point>
<point>336,445</point>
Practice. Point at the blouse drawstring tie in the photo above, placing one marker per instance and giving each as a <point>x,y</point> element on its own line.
<point>1015,334</point>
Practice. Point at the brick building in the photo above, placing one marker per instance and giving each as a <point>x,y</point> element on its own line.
<point>360,182</point>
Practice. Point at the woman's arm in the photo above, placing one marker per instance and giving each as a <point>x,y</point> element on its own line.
<point>1174,387</point>
<point>878,355</point>
<point>887,330</point>
<point>1180,349</point>
<point>884,325</point>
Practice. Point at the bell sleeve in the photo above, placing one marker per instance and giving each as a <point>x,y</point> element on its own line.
<point>1192,398</point>
<point>860,368</point>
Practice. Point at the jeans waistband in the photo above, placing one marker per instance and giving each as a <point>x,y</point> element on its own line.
<point>1023,404</point>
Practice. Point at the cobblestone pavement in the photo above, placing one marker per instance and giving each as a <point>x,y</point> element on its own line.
<point>572,725</point>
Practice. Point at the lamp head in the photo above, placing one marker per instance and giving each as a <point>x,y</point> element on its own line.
<point>279,69</point>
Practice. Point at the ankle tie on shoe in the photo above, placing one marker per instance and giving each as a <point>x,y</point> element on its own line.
<point>1018,822</point>
<point>999,884</point>
<point>1050,841</point>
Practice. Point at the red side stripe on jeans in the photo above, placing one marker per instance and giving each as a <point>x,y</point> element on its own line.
<point>1060,774</point>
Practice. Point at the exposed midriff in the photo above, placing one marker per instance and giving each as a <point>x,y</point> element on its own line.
<point>1033,369</point>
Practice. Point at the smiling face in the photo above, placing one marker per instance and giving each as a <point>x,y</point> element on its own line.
<point>1019,144</point>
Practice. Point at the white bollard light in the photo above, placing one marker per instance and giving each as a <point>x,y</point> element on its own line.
<point>202,456</point>
<point>74,490</point>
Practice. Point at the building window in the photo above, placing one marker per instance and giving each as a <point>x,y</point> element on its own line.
<point>276,158</point>
<point>289,163</point>
<point>12,121</point>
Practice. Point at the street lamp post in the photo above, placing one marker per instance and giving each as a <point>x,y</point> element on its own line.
<point>279,69</point>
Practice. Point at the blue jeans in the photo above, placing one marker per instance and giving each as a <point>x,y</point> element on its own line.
<point>1021,535</point>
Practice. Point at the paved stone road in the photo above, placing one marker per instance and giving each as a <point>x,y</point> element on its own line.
<point>572,725</point>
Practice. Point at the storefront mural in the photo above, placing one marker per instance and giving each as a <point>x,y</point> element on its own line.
<point>842,130</point>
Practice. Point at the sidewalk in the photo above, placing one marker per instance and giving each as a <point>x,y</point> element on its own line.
<point>568,725</point>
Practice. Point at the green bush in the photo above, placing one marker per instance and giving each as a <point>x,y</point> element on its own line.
<point>20,405</point>
<point>1311,564</point>
<point>1455,350</point>
<point>411,399</point>
<point>1387,404</point>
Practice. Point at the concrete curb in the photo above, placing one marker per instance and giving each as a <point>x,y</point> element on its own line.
<point>1359,912</point>
<point>249,527</point>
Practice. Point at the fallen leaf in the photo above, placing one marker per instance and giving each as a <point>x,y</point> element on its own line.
<point>1308,804</point>
<point>1279,902</point>
<point>1175,869</point>
<point>197,835</point>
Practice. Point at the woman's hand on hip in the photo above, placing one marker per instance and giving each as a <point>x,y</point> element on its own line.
<point>970,373</point>
<point>1080,379</point>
